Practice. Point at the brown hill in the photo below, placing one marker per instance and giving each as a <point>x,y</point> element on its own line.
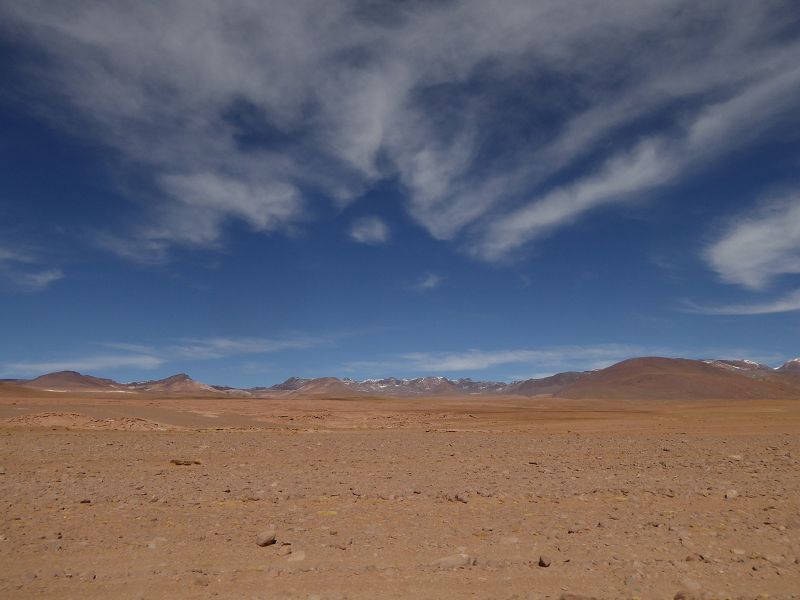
<point>545,385</point>
<point>176,384</point>
<point>325,385</point>
<point>673,378</point>
<point>72,381</point>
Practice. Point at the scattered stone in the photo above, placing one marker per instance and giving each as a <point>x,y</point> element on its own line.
<point>183,462</point>
<point>544,561</point>
<point>284,550</point>
<point>86,501</point>
<point>569,596</point>
<point>266,537</point>
<point>462,497</point>
<point>731,494</point>
<point>456,561</point>
<point>2,470</point>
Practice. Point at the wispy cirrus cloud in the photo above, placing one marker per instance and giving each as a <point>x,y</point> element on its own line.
<point>370,230</point>
<point>755,249</point>
<point>429,281</point>
<point>273,105</point>
<point>761,245</point>
<point>23,271</point>
<point>213,348</point>
<point>85,364</point>
<point>533,359</point>
<point>787,303</point>
<point>538,362</point>
<point>150,356</point>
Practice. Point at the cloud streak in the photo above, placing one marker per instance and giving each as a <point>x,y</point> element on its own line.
<point>787,303</point>
<point>533,360</point>
<point>758,247</point>
<point>84,364</point>
<point>20,270</point>
<point>430,281</point>
<point>369,230</point>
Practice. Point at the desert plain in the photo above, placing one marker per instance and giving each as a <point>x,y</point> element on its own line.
<point>125,496</point>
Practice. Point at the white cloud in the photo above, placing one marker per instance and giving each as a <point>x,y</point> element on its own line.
<point>537,362</point>
<point>143,356</point>
<point>341,95</point>
<point>429,282</point>
<point>213,348</point>
<point>588,357</point>
<point>18,268</point>
<point>630,175</point>
<point>137,348</point>
<point>36,280</point>
<point>760,246</point>
<point>88,363</point>
<point>787,303</point>
<point>370,230</point>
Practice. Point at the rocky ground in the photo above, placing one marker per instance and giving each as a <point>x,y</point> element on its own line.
<point>368,499</point>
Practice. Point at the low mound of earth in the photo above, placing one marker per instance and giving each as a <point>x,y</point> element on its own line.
<point>655,378</point>
<point>79,421</point>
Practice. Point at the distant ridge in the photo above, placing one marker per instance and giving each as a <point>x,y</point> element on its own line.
<point>643,378</point>
<point>71,381</point>
<point>673,378</point>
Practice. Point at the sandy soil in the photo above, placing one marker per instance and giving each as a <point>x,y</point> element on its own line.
<point>384,498</point>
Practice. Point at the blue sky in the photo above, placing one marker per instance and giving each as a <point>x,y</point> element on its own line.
<point>258,190</point>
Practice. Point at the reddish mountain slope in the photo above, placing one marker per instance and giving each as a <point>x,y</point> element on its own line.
<point>176,384</point>
<point>545,385</point>
<point>673,378</point>
<point>69,381</point>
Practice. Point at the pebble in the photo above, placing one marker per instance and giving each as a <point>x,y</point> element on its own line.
<point>296,556</point>
<point>544,561</point>
<point>456,561</point>
<point>284,550</point>
<point>462,497</point>
<point>731,494</point>
<point>266,537</point>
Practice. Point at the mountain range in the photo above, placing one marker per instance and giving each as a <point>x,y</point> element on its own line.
<point>636,378</point>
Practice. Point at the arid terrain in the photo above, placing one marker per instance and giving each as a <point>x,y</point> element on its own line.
<point>375,497</point>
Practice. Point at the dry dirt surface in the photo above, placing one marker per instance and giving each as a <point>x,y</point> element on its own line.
<point>144,497</point>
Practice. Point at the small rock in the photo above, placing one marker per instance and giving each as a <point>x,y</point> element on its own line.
<point>296,556</point>
<point>456,561</point>
<point>731,494</point>
<point>462,497</point>
<point>266,537</point>
<point>568,596</point>
<point>2,470</point>
<point>86,501</point>
<point>285,550</point>
<point>184,462</point>
<point>544,561</point>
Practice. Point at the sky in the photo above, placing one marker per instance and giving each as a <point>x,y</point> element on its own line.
<point>247,191</point>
